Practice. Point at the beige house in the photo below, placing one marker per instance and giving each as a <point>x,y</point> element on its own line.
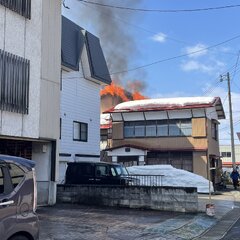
<point>182,132</point>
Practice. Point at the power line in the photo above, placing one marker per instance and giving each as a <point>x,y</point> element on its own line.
<point>139,27</point>
<point>217,80</point>
<point>160,10</point>
<point>144,29</point>
<point>176,57</point>
<point>168,59</point>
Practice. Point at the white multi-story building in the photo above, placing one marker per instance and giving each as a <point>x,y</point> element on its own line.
<point>30,66</point>
<point>226,155</point>
<point>84,71</point>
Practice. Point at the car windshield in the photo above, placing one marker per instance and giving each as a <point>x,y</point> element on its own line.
<point>121,170</point>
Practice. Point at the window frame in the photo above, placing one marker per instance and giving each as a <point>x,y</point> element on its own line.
<point>181,128</point>
<point>80,139</point>
<point>7,181</point>
<point>17,176</point>
<point>214,130</point>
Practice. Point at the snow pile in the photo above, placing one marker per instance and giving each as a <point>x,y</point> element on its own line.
<point>105,118</point>
<point>173,176</point>
<point>165,102</point>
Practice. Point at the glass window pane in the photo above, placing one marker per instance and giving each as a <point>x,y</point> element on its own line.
<point>162,128</point>
<point>186,128</point>
<point>84,131</point>
<point>16,173</point>
<point>129,131</point>
<point>76,130</point>
<point>139,131</point>
<point>174,129</point>
<point>151,130</point>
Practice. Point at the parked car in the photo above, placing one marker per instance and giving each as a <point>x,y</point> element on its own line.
<point>18,219</point>
<point>97,173</point>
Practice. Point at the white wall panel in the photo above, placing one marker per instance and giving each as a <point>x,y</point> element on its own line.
<point>181,114</point>
<point>117,117</point>
<point>133,116</point>
<point>198,112</point>
<point>156,115</point>
<point>80,101</point>
<point>211,113</point>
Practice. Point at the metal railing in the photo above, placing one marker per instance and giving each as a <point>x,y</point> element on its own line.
<point>146,180</point>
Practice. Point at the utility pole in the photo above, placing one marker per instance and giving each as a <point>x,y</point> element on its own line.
<point>227,77</point>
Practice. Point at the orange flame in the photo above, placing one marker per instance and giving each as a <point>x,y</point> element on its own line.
<point>138,96</point>
<point>114,90</point>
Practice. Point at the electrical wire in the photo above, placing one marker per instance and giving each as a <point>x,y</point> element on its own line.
<point>161,10</point>
<point>144,29</point>
<point>166,59</point>
<point>176,57</point>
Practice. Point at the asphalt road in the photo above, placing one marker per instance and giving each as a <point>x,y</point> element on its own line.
<point>74,222</point>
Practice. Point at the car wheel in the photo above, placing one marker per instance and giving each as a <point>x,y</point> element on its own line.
<point>19,237</point>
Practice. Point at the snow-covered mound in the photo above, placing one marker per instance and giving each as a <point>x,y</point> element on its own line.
<point>173,176</point>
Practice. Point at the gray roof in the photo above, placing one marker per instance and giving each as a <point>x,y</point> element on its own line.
<point>73,40</point>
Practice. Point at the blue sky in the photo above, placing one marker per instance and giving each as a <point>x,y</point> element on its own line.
<point>142,38</point>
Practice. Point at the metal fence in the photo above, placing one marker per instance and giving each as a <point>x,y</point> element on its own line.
<point>146,180</point>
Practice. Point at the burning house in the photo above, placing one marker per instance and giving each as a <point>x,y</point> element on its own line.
<point>182,132</point>
<point>111,96</point>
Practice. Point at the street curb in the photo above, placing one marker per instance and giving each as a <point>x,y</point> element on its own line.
<point>221,228</point>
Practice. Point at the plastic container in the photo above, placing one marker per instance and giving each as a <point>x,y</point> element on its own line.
<point>210,209</point>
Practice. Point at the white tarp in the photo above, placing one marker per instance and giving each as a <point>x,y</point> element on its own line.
<point>173,176</point>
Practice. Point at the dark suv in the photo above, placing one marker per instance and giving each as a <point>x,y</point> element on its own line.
<point>97,173</point>
<point>18,220</point>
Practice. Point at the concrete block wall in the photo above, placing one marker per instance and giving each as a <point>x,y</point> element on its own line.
<point>177,199</point>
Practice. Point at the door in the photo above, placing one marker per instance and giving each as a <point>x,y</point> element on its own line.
<point>102,174</point>
<point>8,209</point>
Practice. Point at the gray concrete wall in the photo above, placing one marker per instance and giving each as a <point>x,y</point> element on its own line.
<point>178,199</point>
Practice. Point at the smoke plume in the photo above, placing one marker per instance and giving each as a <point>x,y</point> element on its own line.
<point>117,40</point>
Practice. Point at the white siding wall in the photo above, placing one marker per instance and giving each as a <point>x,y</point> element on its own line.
<point>80,101</point>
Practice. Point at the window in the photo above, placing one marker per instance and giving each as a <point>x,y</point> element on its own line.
<point>16,173</point>
<point>162,128</point>
<point>174,128</point>
<point>186,128</point>
<point>214,128</point>
<point>101,170</point>
<point>14,83</point>
<point>1,181</point>
<point>139,129</point>
<point>22,7</point>
<point>158,128</point>
<point>80,131</point>
<point>226,154</point>
<point>151,129</point>
<point>129,129</point>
